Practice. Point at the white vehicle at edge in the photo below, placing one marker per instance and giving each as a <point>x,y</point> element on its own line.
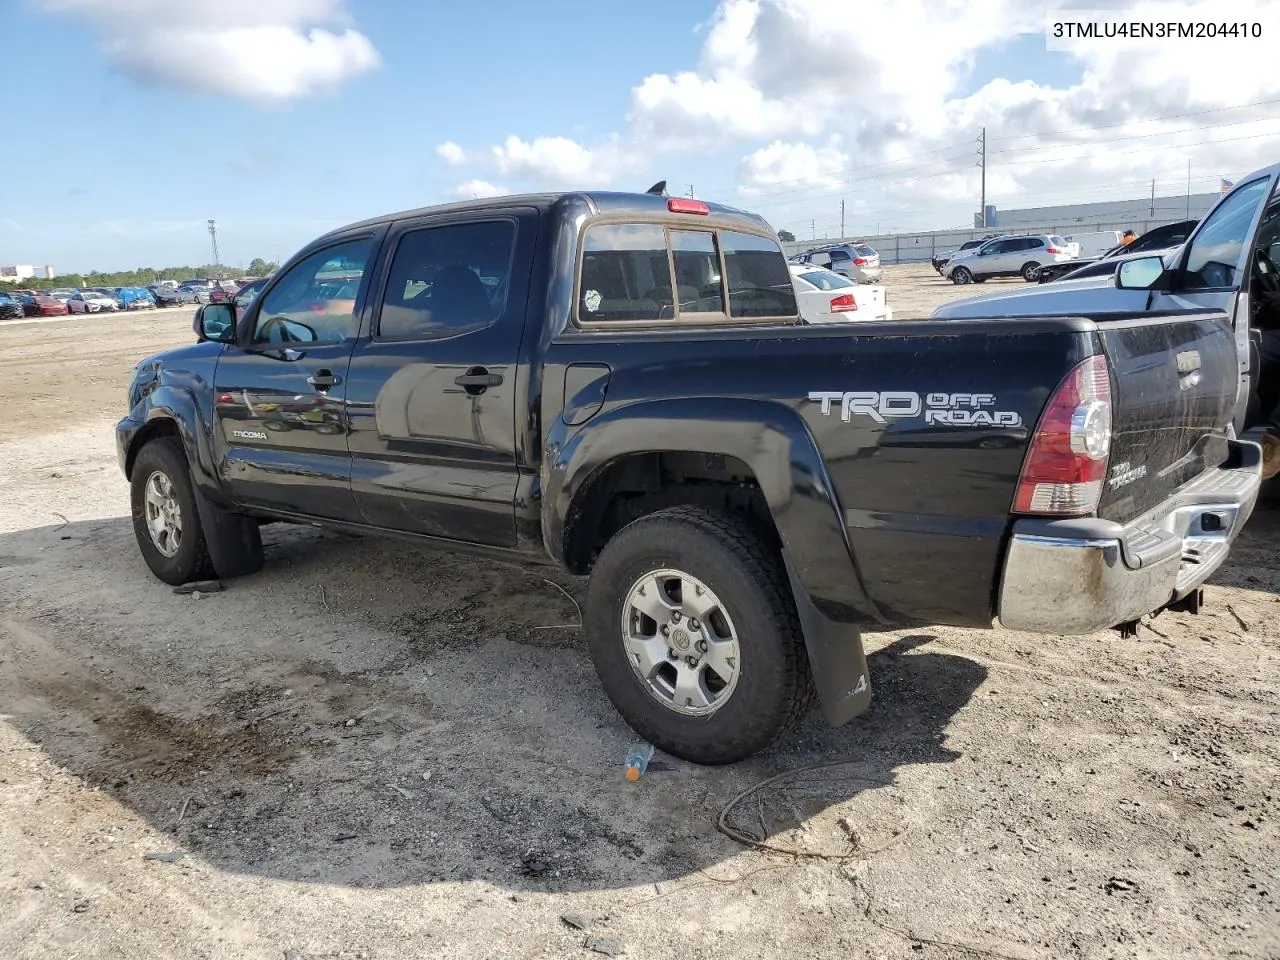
<point>828,297</point>
<point>90,301</point>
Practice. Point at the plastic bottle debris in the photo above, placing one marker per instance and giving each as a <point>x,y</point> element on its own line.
<point>638,761</point>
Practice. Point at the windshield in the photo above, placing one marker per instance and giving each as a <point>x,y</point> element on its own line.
<point>826,280</point>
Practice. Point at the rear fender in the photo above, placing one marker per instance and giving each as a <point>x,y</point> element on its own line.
<point>773,441</point>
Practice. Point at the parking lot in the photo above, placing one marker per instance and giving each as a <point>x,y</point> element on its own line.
<point>381,750</point>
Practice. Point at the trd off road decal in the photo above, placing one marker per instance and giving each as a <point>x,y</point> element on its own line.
<point>947,409</point>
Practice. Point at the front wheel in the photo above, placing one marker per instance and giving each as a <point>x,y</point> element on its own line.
<point>694,635</point>
<point>1030,271</point>
<point>166,523</point>
<point>961,275</point>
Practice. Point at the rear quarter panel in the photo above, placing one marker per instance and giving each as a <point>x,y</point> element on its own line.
<point>920,503</point>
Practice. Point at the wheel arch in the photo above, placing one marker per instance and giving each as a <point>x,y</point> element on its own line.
<point>784,486</point>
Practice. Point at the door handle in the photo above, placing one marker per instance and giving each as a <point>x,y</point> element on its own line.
<point>478,379</point>
<point>323,379</point>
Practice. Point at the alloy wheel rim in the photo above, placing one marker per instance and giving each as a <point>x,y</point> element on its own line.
<point>681,642</point>
<point>163,514</point>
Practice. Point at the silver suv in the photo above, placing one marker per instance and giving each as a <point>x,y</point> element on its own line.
<point>857,261</point>
<point>1007,257</point>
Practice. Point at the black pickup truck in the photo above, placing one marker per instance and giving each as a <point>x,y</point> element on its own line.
<point>620,384</point>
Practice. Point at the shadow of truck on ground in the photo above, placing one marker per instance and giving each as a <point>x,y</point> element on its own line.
<point>368,713</point>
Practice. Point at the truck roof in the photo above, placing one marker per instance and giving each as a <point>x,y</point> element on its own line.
<point>604,202</point>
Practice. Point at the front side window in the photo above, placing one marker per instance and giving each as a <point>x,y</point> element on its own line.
<point>625,273</point>
<point>315,301</point>
<point>758,279</point>
<point>448,281</point>
<point>1214,257</point>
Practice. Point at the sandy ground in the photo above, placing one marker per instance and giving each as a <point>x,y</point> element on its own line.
<point>372,750</point>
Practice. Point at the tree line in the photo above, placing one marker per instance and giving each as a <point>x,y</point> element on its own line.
<point>145,276</point>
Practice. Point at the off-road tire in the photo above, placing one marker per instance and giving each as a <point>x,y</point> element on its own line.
<point>774,688</point>
<point>191,562</point>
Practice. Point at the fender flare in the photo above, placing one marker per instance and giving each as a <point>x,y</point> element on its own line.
<point>233,539</point>
<point>774,442</point>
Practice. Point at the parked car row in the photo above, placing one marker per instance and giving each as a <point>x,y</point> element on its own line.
<point>857,261</point>
<point>61,301</point>
<point>1158,241</point>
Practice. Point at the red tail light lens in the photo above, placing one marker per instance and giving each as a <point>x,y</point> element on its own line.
<point>859,261</point>
<point>844,304</point>
<point>1053,250</point>
<point>679,205</point>
<point>1067,460</point>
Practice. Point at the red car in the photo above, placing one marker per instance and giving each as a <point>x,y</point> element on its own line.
<point>42,305</point>
<point>223,293</point>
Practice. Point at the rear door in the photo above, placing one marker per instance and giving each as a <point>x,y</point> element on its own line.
<point>432,389</point>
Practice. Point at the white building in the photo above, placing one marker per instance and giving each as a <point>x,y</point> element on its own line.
<point>24,271</point>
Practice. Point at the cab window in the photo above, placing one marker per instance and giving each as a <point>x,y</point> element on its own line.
<point>315,301</point>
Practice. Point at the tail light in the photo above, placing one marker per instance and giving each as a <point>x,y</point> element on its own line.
<point>859,261</point>
<point>1053,250</point>
<point>1067,459</point>
<point>844,304</point>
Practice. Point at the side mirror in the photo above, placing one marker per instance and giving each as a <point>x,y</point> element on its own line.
<point>1140,274</point>
<point>216,322</point>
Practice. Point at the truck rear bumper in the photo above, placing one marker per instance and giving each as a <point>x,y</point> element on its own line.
<point>1079,576</point>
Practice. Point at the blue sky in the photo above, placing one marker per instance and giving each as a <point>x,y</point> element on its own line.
<point>125,171</point>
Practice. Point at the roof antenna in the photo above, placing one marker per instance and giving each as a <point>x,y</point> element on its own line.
<point>659,189</point>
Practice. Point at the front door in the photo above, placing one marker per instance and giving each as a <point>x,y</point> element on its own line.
<point>433,390</point>
<point>1215,271</point>
<point>280,394</point>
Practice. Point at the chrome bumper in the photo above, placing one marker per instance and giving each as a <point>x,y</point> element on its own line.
<point>1079,576</point>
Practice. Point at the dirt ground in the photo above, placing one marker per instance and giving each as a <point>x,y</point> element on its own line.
<point>376,750</point>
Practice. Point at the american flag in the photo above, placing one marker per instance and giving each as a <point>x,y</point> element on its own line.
<point>1225,186</point>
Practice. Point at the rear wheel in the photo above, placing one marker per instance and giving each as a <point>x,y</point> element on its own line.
<point>694,634</point>
<point>166,522</point>
<point>1030,271</point>
<point>961,275</point>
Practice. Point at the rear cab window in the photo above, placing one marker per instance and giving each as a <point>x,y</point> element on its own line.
<point>652,273</point>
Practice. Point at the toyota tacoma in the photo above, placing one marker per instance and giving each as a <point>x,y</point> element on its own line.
<point>620,384</point>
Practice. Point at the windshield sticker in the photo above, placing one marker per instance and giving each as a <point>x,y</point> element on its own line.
<point>950,409</point>
<point>591,300</point>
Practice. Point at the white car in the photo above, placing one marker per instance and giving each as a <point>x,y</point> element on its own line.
<point>828,297</point>
<point>1008,256</point>
<point>90,301</point>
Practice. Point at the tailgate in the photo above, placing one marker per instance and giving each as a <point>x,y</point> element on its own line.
<point>1174,381</point>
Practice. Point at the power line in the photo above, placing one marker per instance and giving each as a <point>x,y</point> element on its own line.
<point>1125,123</point>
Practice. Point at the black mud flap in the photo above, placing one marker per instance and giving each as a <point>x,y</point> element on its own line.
<point>836,658</point>
<point>235,545</point>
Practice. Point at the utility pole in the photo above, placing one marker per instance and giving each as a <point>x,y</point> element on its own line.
<point>213,237</point>
<point>813,228</point>
<point>1153,200</point>
<point>842,218</point>
<point>691,191</point>
<point>982,162</point>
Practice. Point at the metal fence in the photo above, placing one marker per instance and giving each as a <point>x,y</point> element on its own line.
<point>922,247</point>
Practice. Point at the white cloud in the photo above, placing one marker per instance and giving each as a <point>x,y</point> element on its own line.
<point>561,162</point>
<point>479,190</point>
<point>451,153</point>
<point>262,51</point>
<point>794,164</point>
